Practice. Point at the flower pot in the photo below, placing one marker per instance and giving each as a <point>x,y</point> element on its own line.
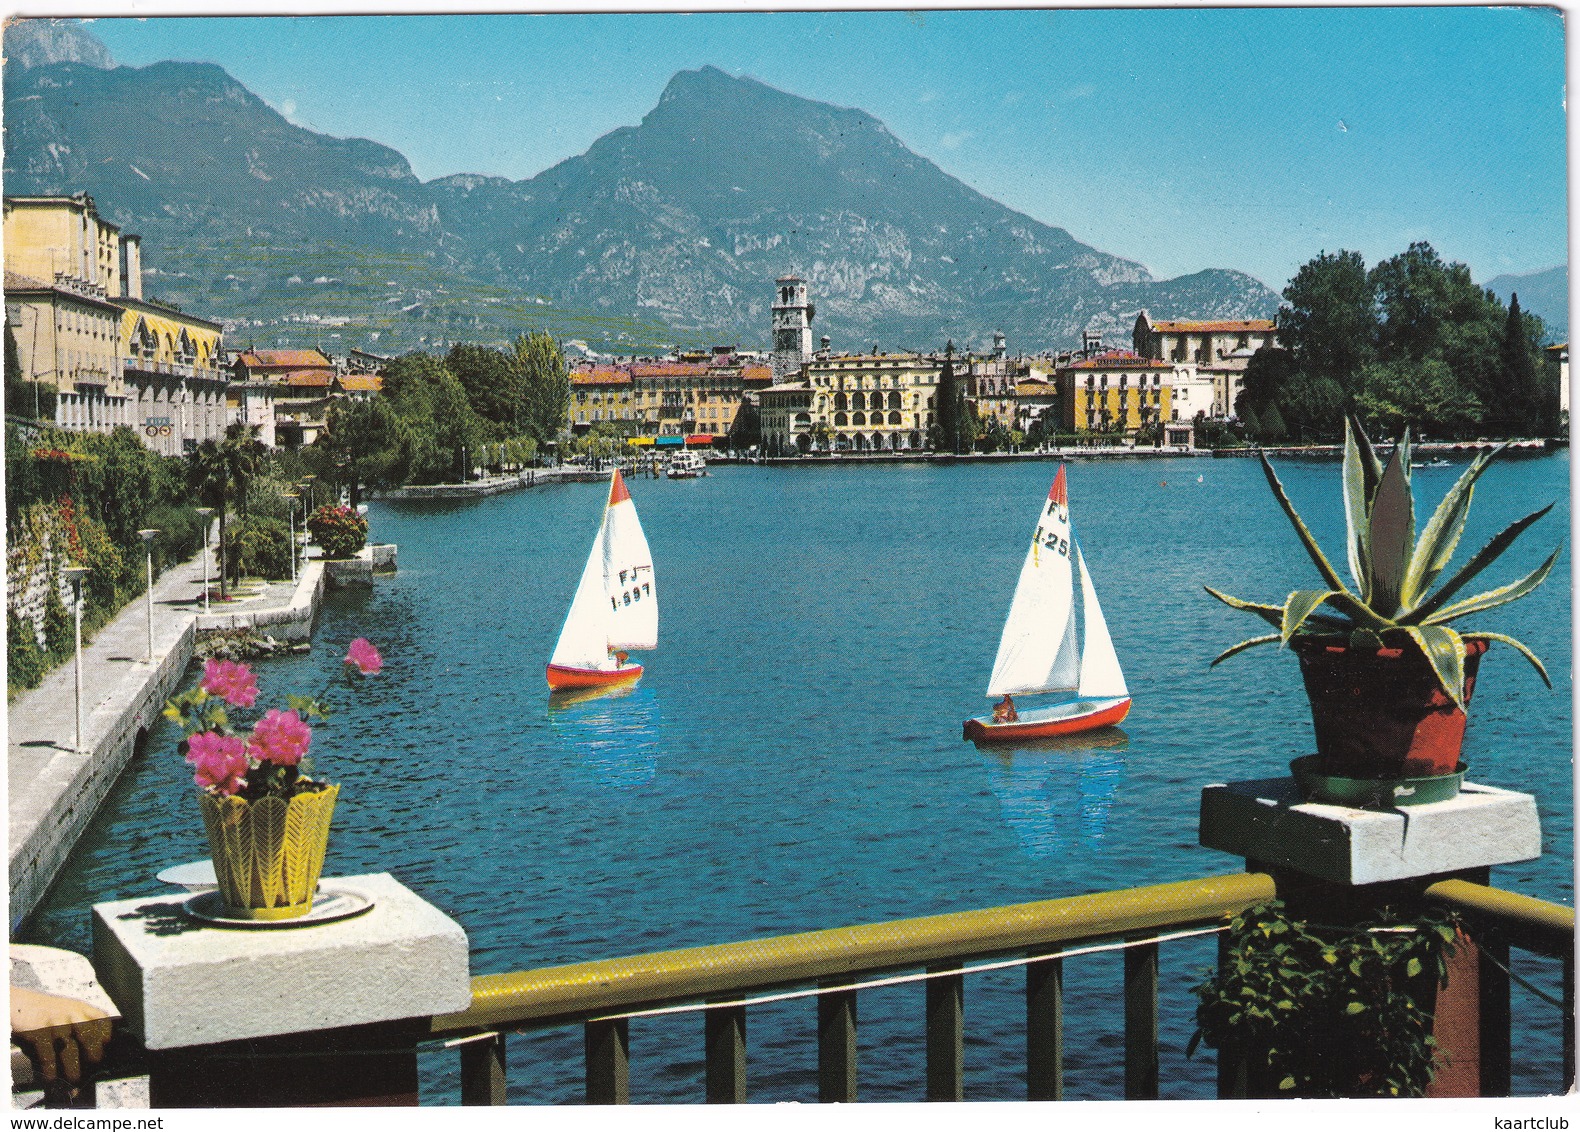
<point>1316,785</point>
<point>1380,713</point>
<point>268,854</point>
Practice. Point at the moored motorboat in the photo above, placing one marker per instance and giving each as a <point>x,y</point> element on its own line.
<point>1042,649</point>
<point>686,465</point>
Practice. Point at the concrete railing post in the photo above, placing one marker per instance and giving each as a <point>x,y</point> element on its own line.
<point>314,1014</point>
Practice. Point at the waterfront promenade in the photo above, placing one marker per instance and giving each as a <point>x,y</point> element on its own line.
<point>53,788</point>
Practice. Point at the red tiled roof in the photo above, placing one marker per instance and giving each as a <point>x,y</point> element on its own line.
<point>669,369</point>
<point>362,381</point>
<point>757,373</point>
<point>1121,360</point>
<point>601,375</point>
<point>1224,326</point>
<point>291,359</point>
<point>306,379</point>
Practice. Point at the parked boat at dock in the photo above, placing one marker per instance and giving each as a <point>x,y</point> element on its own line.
<point>686,465</point>
<point>1042,651</point>
<point>615,609</point>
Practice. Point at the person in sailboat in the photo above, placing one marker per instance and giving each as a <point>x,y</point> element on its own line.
<point>620,658</point>
<point>1004,711</point>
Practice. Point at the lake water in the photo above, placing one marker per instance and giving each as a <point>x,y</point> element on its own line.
<point>792,759</point>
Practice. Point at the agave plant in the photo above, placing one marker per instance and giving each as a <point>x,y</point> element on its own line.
<point>1392,604</point>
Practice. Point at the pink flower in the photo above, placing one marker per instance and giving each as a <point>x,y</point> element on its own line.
<point>364,656</point>
<point>280,737</point>
<point>220,761</point>
<point>234,683</point>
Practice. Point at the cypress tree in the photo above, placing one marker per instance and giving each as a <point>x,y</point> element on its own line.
<point>946,408</point>
<point>1519,410</point>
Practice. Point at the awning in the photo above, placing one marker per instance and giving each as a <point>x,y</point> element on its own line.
<point>639,441</point>
<point>669,441</point>
<point>699,440</point>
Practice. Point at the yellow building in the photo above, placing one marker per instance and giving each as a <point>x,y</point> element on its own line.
<point>698,396</point>
<point>872,402</point>
<point>1116,393</point>
<point>62,273</point>
<point>75,307</point>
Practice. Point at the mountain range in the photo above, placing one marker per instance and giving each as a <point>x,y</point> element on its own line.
<point>671,231</point>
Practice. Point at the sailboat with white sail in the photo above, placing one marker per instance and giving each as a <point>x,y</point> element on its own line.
<point>1044,651</point>
<point>615,610</point>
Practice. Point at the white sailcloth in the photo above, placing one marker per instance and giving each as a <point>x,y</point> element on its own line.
<point>616,602</point>
<point>1037,651</point>
<point>1101,676</point>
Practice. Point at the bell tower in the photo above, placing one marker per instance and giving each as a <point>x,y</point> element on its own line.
<point>792,326</point>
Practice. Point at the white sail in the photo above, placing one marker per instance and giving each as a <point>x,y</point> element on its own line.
<point>584,638</point>
<point>1101,676</point>
<point>1037,651</point>
<point>616,602</point>
<point>628,574</point>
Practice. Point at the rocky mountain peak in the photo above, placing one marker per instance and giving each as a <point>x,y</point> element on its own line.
<point>36,42</point>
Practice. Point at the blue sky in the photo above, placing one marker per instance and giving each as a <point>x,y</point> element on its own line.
<point>1182,138</point>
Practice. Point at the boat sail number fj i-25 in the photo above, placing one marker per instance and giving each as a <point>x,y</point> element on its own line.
<point>615,609</point>
<point>1041,650</point>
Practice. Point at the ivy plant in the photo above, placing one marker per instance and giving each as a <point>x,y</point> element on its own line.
<point>1329,1011</point>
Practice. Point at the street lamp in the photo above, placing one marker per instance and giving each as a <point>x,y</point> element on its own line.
<point>307,507</point>
<point>290,498</point>
<point>75,575</point>
<point>205,514</point>
<point>148,547</point>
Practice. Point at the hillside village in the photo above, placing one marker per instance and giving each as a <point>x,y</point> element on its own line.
<point>85,336</point>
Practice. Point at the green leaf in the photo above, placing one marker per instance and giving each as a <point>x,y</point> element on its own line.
<point>1412,968</point>
<point>1500,596</point>
<point>1287,1083</point>
<point>1324,567</point>
<point>1272,614</point>
<point>1441,536</point>
<point>1242,646</point>
<point>1445,651</point>
<point>1355,1008</point>
<point>1299,606</point>
<point>1517,646</point>
<point>1391,533</point>
<point>1360,483</point>
<point>1478,562</point>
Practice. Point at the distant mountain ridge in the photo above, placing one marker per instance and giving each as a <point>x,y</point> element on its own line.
<point>1544,293</point>
<point>672,230</point>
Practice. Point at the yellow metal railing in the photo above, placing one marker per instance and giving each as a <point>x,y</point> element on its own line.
<point>829,963</point>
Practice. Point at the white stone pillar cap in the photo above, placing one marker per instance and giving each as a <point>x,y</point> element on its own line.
<point>179,982</point>
<point>1268,822</point>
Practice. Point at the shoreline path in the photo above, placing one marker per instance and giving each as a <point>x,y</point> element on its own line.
<point>53,790</point>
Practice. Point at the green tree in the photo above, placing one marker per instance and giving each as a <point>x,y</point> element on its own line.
<point>545,385</point>
<point>219,472</point>
<point>1525,406</point>
<point>1272,428</point>
<point>494,386</point>
<point>442,432</point>
<point>1424,396</point>
<point>948,407</point>
<point>368,446</point>
<point>1329,317</point>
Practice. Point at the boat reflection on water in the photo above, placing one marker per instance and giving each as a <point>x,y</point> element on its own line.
<point>614,732</point>
<point>1056,793</point>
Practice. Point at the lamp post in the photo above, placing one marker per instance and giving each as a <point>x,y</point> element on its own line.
<point>205,514</point>
<point>307,485</point>
<point>148,549</point>
<point>75,574</point>
<point>290,498</point>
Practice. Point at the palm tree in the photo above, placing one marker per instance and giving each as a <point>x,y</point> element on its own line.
<point>219,472</point>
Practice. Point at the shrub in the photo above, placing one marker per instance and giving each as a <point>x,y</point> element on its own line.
<point>258,547</point>
<point>339,531</point>
<point>25,662</point>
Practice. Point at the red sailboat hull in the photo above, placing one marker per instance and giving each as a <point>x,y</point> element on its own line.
<point>1062,719</point>
<point>562,676</point>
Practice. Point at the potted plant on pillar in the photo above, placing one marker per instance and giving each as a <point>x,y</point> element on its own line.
<point>267,821</point>
<point>1388,678</point>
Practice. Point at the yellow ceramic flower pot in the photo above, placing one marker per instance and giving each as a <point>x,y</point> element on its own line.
<point>268,854</point>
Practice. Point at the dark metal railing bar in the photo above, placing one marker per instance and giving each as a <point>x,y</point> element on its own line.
<point>725,1039</point>
<point>608,1059</point>
<point>1141,1022</point>
<point>946,1031</point>
<point>836,1044</point>
<point>1569,1022</point>
<point>483,1071</point>
<point>1045,1030</point>
<point>1496,1017</point>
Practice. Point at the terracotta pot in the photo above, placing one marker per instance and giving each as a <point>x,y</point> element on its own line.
<point>268,854</point>
<point>1381,713</point>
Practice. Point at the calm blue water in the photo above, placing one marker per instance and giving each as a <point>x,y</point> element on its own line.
<point>792,760</point>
